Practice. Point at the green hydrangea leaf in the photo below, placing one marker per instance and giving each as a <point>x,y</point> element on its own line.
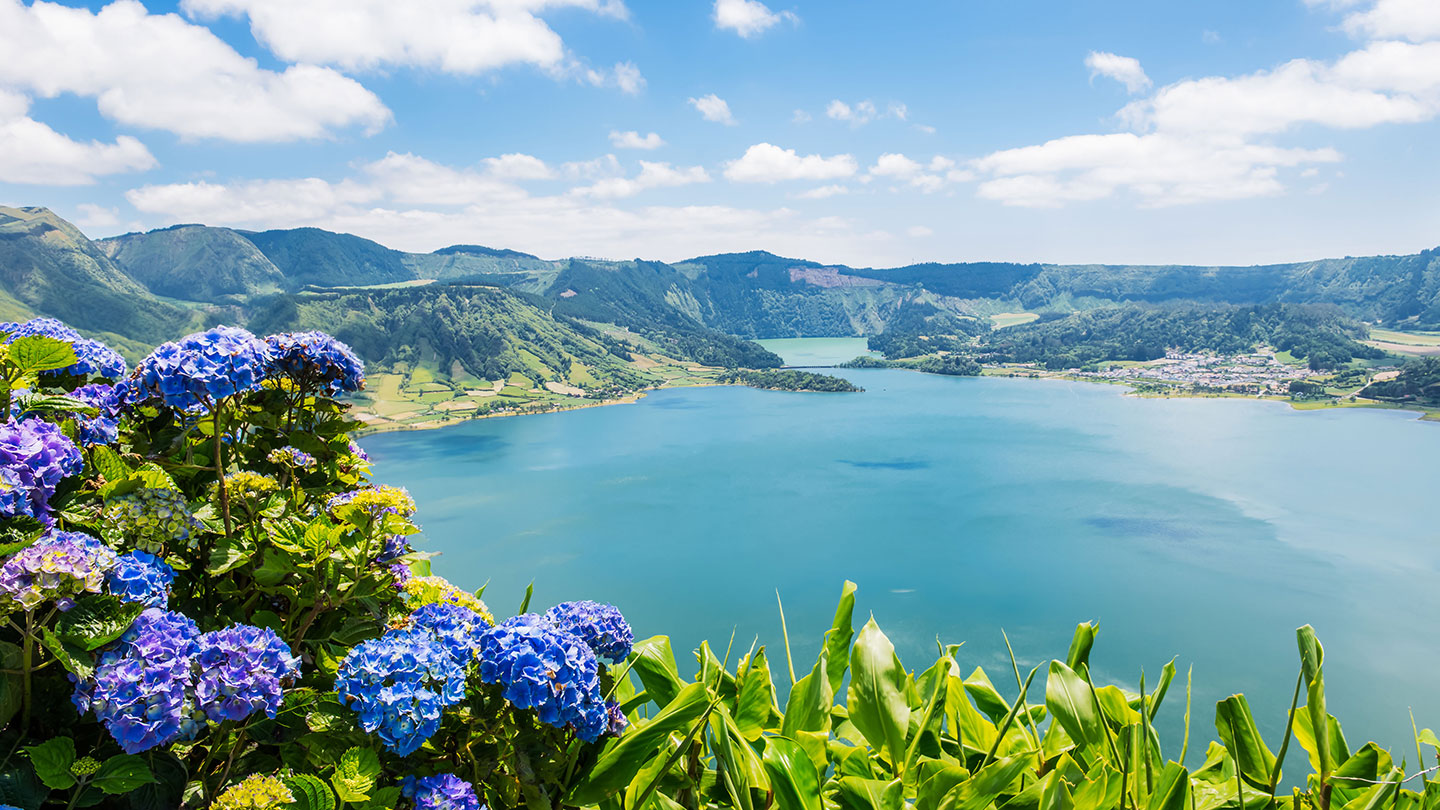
<point>96,620</point>
<point>122,773</point>
<point>310,793</point>
<point>38,353</point>
<point>355,774</point>
<point>51,760</point>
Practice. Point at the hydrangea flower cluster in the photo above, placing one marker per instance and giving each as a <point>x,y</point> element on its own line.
<point>421,591</point>
<point>444,791</point>
<point>292,457</point>
<point>140,689</point>
<point>317,361</point>
<point>103,428</point>
<point>35,456</point>
<point>255,792</point>
<point>58,566</point>
<point>399,684</point>
<point>602,627</point>
<point>242,670</point>
<point>246,484</point>
<point>204,368</point>
<point>93,358</point>
<point>548,670</point>
<point>141,577</point>
<point>375,500</point>
<point>150,519</point>
<point>162,679</point>
<point>456,628</point>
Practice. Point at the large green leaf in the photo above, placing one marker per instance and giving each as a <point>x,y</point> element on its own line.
<point>52,760</point>
<point>1312,659</point>
<point>792,775</point>
<point>755,699</point>
<point>96,620</point>
<point>855,793</point>
<point>355,774</point>
<point>1072,703</point>
<point>1172,789</point>
<point>622,758</point>
<point>808,707</point>
<point>986,696</point>
<point>987,784</point>
<point>937,782</point>
<point>122,773</point>
<point>37,353</point>
<point>972,729</point>
<point>1239,734</point>
<point>653,663</point>
<point>838,637</point>
<point>876,699</point>
<point>1364,767</point>
<point>310,793</point>
<point>1080,645</point>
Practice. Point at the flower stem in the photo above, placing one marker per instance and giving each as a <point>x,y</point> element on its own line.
<point>220,473</point>
<point>27,658</point>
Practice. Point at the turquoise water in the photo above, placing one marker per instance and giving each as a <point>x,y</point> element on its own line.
<point>812,352</point>
<point>1204,529</point>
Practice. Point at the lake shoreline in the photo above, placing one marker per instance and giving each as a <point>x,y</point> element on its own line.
<point>1424,414</point>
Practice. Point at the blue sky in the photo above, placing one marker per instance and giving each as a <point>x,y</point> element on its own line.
<point>857,132</point>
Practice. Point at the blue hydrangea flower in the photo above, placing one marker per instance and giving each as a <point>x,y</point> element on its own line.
<point>455,627</point>
<point>618,721</point>
<point>203,368</point>
<point>58,566</point>
<point>548,670</point>
<point>141,577</point>
<point>241,670</point>
<point>140,690</point>
<point>35,456</point>
<point>93,358</point>
<point>399,684</point>
<point>317,361</point>
<point>444,791</point>
<point>601,627</point>
<point>103,428</point>
<point>292,457</point>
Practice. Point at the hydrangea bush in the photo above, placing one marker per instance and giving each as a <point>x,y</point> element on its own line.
<point>208,603</point>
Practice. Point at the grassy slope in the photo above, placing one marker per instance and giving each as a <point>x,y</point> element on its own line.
<point>195,263</point>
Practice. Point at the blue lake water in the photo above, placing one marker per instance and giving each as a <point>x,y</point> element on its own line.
<point>1203,529</point>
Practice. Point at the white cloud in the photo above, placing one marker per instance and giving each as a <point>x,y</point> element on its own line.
<point>749,17</point>
<point>1415,20</point>
<point>414,180</point>
<point>767,163</point>
<point>161,72</point>
<point>32,153</point>
<point>625,76</point>
<point>823,192</point>
<point>926,177</point>
<point>863,112</point>
<point>1210,138</point>
<point>652,175</point>
<point>97,216</point>
<point>454,36</point>
<point>919,231</point>
<point>800,117</point>
<point>555,225</point>
<point>1123,69</point>
<point>634,140</point>
<point>714,108</point>
<point>518,166</point>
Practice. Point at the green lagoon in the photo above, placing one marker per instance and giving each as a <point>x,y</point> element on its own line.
<point>1204,529</point>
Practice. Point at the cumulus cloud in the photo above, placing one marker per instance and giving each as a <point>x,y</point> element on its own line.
<point>625,76</point>
<point>863,112</point>
<point>493,212</point>
<point>32,153</point>
<point>1211,138</point>
<point>1123,69</point>
<point>714,108</point>
<point>634,140</point>
<point>97,216</point>
<point>930,177</point>
<point>652,175</point>
<point>455,36</point>
<point>823,192</point>
<point>161,72</point>
<point>767,163</point>
<point>1415,20</point>
<point>517,166</point>
<point>749,18</point>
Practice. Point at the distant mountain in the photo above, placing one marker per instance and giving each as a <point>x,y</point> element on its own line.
<point>196,263</point>
<point>310,256</point>
<point>48,267</point>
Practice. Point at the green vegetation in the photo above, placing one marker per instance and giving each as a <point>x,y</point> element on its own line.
<point>310,256</point>
<point>951,365</point>
<point>787,380</point>
<point>196,263</point>
<point>1418,383</point>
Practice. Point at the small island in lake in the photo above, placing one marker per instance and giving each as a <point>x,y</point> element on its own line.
<point>787,380</point>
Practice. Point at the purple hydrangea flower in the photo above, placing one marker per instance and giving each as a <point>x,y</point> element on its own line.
<point>203,368</point>
<point>618,721</point>
<point>141,687</point>
<point>58,566</point>
<point>35,456</point>
<point>292,457</point>
<point>444,791</point>
<point>103,428</point>
<point>601,627</point>
<point>317,361</point>
<point>548,670</point>
<point>455,627</point>
<point>241,670</point>
<point>141,577</point>
<point>93,358</point>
